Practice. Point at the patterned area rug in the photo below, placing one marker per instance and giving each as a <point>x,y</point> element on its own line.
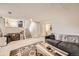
<point>26,51</point>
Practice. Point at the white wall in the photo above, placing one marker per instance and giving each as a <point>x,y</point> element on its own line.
<point>66,27</point>
<point>27,23</point>
<point>1,23</point>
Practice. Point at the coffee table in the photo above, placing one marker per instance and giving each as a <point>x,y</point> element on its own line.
<point>49,50</point>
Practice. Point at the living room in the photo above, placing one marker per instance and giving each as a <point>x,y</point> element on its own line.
<point>39,29</point>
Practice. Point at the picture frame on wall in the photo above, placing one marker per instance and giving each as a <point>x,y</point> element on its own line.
<point>20,23</point>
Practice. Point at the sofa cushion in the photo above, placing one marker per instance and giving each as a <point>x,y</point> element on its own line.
<point>72,48</point>
<point>52,36</point>
<point>67,38</point>
<point>53,42</point>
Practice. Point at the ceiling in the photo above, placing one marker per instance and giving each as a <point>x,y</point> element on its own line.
<point>41,11</point>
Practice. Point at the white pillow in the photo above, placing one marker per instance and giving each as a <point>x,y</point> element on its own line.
<point>56,36</point>
<point>2,41</point>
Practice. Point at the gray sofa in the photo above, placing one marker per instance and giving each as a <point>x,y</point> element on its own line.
<point>70,47</point>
